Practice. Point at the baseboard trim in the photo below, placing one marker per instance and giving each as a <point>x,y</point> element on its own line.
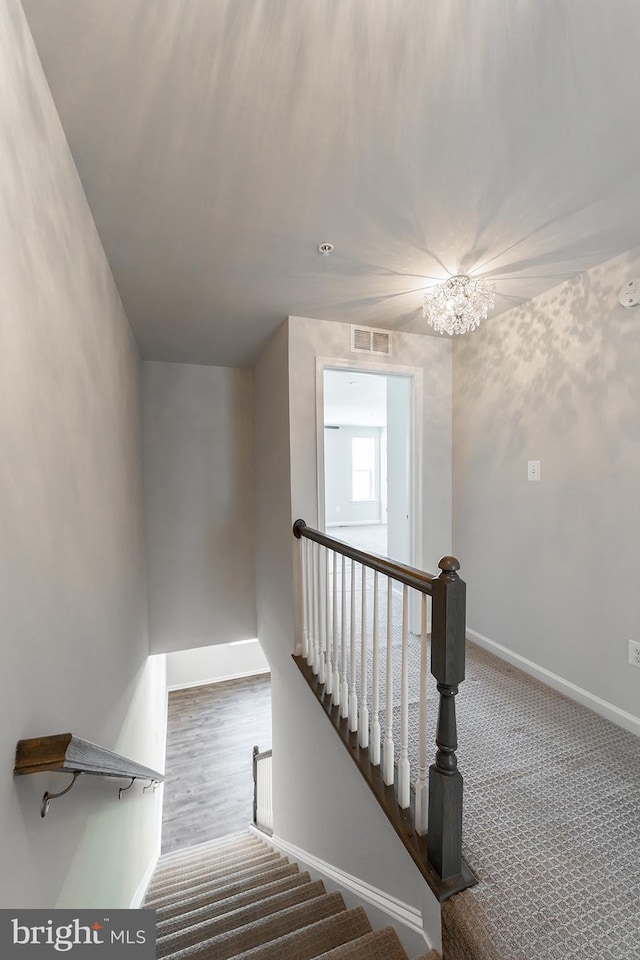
<point>139,895</point>
<point>230,676</point>
<point>396,910</point>
<point>602,707</point>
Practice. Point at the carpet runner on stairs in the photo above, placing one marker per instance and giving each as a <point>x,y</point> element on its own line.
<point>237,899</point>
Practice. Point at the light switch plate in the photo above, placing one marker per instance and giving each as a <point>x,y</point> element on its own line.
<point>533,470</point>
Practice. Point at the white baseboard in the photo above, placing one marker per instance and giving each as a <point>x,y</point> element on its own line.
<point>399,914</point>
<point>139,895</point>
<point>207,683</point>
<point>602,707</point>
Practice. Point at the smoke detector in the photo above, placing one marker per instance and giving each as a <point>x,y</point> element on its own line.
<point>629,295</point>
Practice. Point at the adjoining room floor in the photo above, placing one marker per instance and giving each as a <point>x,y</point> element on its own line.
<point>371,537</point>
<point>211,732</point>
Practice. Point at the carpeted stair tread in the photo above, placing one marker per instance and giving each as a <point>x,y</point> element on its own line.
<point>218,843</point>
<point>221,907</point>
<point>238,899</point>
<point>267,929</point>
<point>200,884</point>
<point>432,955</point>
<point>316,938</point>
<point>168,943</point>
<point>198,865</point>
<point>221,890</point>
<point>204,854</point>
<point>377,945</point>
<point>184,872</point>
<point>218,885</point>
<point>229,840</point>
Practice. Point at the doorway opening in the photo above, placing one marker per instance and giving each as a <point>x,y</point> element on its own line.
<point>368,460</point>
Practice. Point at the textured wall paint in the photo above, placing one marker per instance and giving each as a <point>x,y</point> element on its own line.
<point>73,616</point>
<point>553,566</point>
<point>198,470</point>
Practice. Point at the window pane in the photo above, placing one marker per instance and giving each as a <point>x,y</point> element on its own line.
<point>362,485</point>
<point>362,467</point>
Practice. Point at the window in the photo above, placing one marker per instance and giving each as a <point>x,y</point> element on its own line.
<point>362,468</point>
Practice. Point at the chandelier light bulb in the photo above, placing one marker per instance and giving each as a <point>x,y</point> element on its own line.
<point>458,304</point>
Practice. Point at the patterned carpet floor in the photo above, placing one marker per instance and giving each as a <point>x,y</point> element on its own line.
<point>551,816</point>
<point>552,797</point>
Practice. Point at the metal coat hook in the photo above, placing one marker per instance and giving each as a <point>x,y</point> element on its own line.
<point>48,797</point>
<point>123,789</point>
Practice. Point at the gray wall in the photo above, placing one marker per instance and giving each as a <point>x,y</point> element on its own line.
<point>310,339</point>
<point>198,482</point>
<point>553,567</point>
<point>321,803</point>
<point>72,587</point>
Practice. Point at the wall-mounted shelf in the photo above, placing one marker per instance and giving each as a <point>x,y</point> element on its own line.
<point>64,753</point>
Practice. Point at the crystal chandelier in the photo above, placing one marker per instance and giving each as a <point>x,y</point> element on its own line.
<point>458,304</point>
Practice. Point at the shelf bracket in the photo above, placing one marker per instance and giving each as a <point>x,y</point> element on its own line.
<point>48,797</point>
<point>121,790</point>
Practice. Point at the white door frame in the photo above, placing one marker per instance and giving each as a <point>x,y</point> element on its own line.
<point>371,365</point>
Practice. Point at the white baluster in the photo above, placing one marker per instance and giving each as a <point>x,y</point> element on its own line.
<point>404,770</point>
<point>344,685</point>
<point>300,639</point>
<point>328,622</point>
<point>334,628</point>
<point>305,597</point>
<point>316,608</point>
<point>321,616</point>
<point>363,717</point>
<point>422,787</point>
<point>309,591</point>
<point>388,749</point>
<point>374,746</point>
<point>353,696</point>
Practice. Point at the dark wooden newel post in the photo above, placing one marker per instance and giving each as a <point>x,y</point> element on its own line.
<point>447,666</point>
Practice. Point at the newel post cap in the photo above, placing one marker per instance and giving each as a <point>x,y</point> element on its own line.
<point>449,565</point>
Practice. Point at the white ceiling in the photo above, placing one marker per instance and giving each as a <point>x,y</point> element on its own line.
<point>220,141</point>
<point>355,399</point>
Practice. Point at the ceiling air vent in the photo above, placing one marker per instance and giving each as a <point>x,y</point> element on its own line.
<point>367,340</point>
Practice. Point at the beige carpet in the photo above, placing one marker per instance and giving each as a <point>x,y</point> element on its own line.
<point>551,821</point>
<point>236,898</point>
<point>551,825</point>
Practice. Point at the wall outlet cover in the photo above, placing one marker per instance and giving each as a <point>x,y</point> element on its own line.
<point>634,653</point>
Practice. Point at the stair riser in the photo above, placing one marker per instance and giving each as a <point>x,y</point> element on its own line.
<point>233,903</point>
<point>170,890</point>
<point>226,890</point>
<point>211,868</point>
<point>237,918</point>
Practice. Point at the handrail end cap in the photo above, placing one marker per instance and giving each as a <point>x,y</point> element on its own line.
<point>297,527</point>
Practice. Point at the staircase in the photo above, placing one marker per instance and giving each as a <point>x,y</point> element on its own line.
<point>238,898</point>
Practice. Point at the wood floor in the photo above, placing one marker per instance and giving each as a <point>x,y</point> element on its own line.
<point>211,731</point>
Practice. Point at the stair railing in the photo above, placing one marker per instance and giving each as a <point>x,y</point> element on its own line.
<point>262,798</point>
<point>357,650</point>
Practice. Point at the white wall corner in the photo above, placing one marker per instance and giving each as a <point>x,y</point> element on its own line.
<point>143,886</point>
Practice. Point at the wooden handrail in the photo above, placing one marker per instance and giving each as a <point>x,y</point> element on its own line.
<point>64,753</point>
<point>411,576</point>
<point>438,854</point>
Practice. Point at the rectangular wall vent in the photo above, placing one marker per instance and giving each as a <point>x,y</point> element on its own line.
<point>368,340</point>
